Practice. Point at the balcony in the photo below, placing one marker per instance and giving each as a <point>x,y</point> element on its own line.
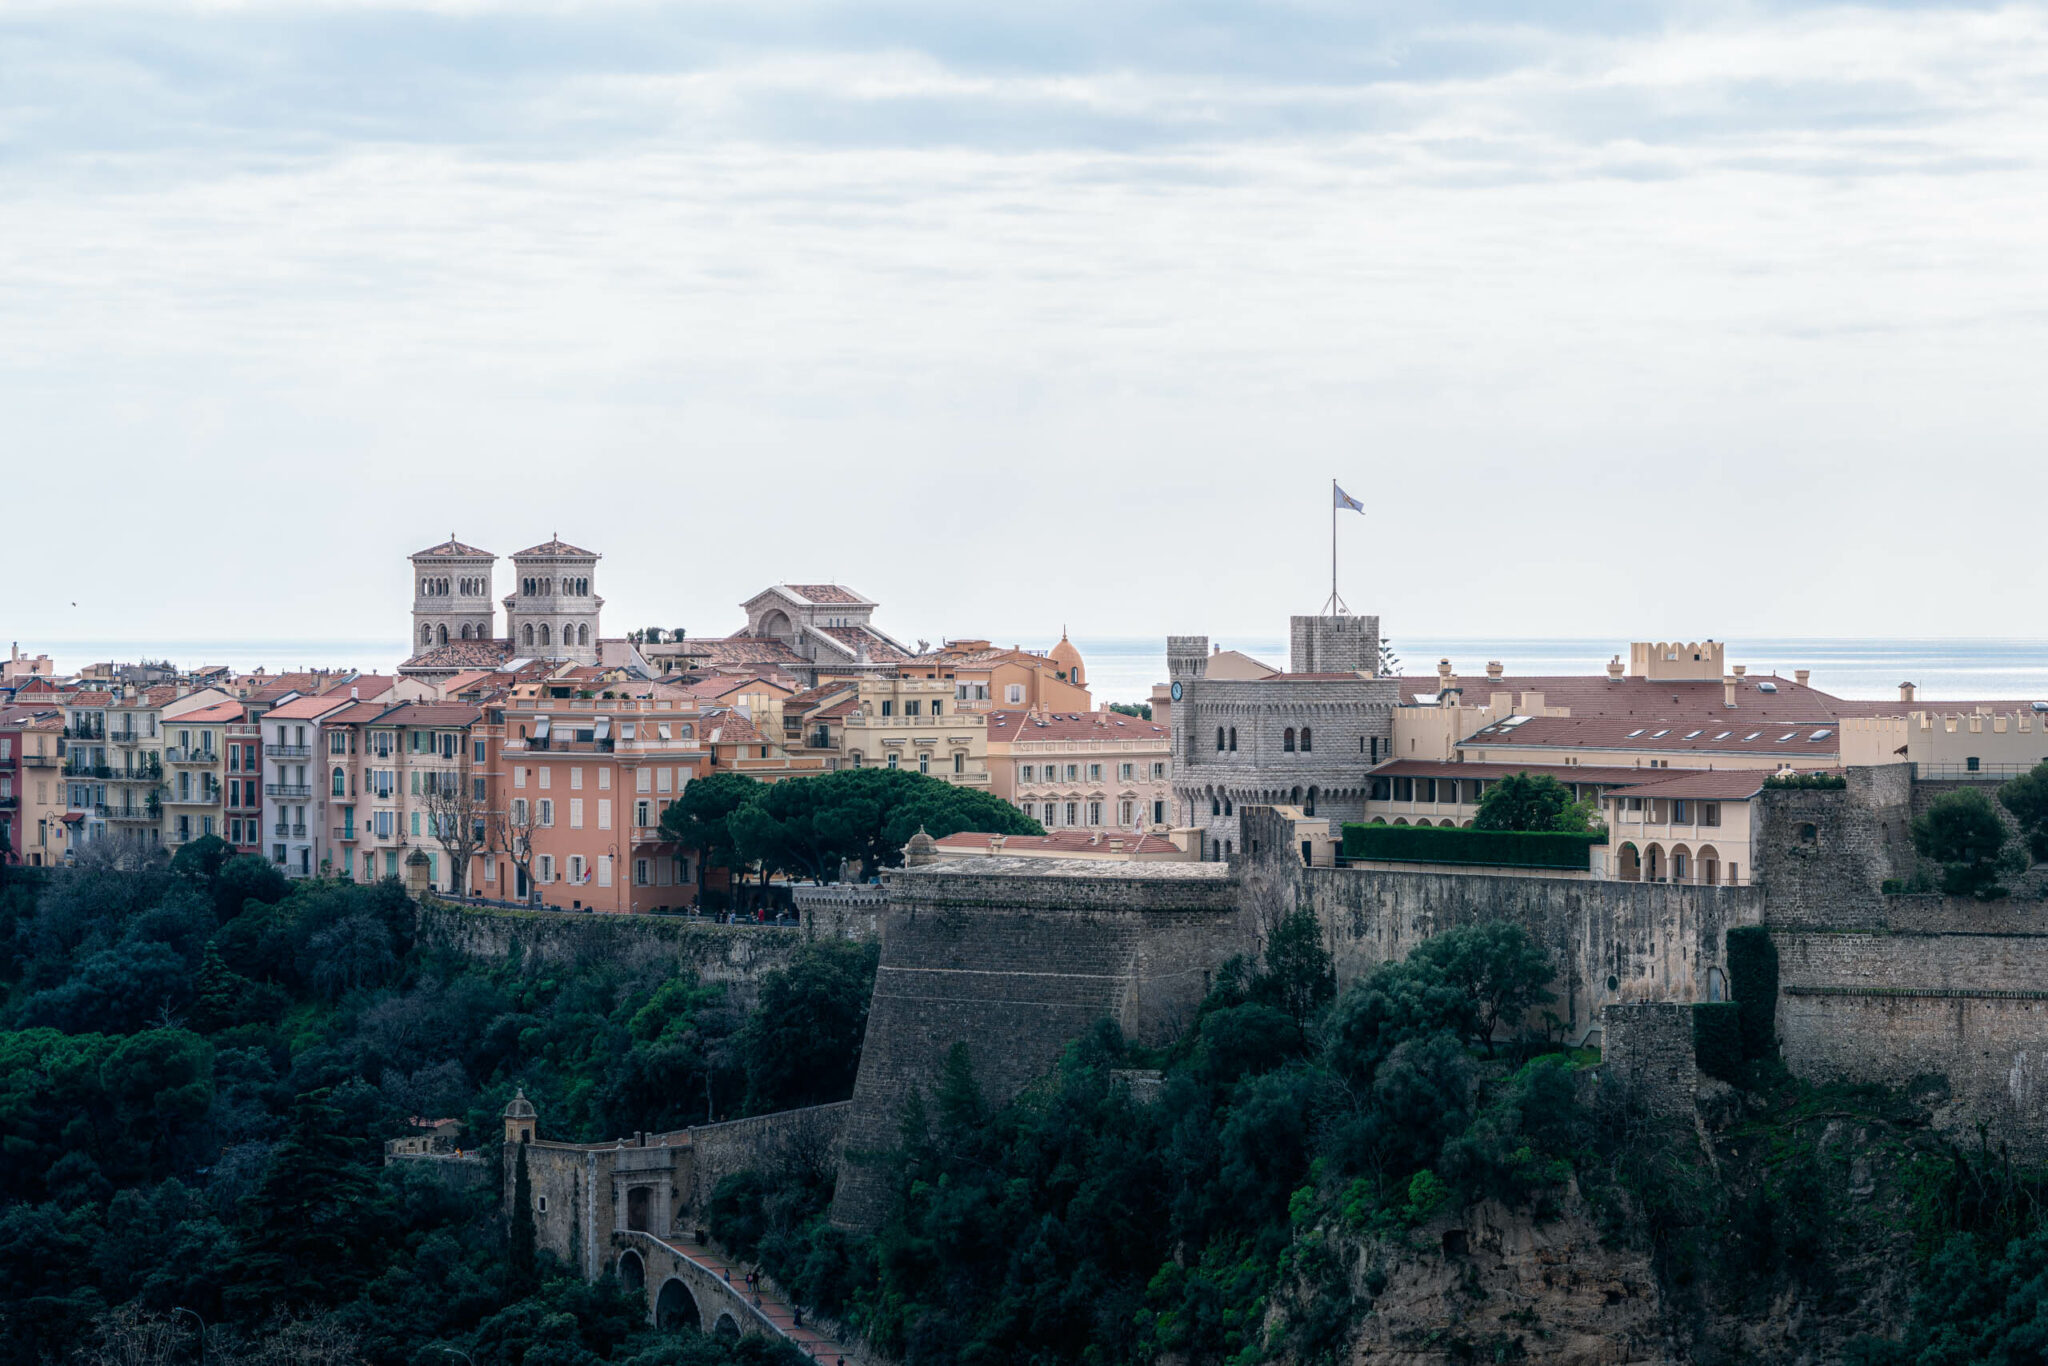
<point>147,815</point>
<point>127,737</point>
<point>288,751</point>
<point>39,761</point>
<point>152,774</point>
<point>8,801</point>
<point>87,771</point>
<point>206,796</point>
<point>198,754</point>
<point>345,834</point>
<point>294,791</point>
<point>283,830</point>
<point>85,730</point>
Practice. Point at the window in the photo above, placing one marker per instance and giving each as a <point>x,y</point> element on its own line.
<point>544,869</point>
<point>576,869</point>
<point>1073,773</point>
<point>640,872</point>
<point>924,763</point>
<point>910,707</point>
<point>1014,693</point>
<point>1219,739</point>
<point>1073,813</point>
<point>1024,774</point>
<point>888,707</point>
<point>1710,813</point>
<point>1095,773</point>
<point>892,761</point>
<point>575,777</point>
<point>340,785</point>
<point>935,706</point>
<point>1125,812</point>
<point>1678,810</point>
<point>1233,739</point>
<point>575,813</point>
<point>547,811</point>
<point>604,813</point>
<point>1159,813</point>
<point>415,824</point>
<point>519,810</point>
<point>476,789</point>
<point>643,813</point>
<point>1124,772</point>
<point>1306,740</point>
<point>959,761</point>
<point>604,864</point>
<point>1095,813</point>
<point>1028,811</point>
<point>604,779</point>
<point>1404,789</point>
<point>547,777</point>
<point>1287,741</point>
<point>1215,806</point>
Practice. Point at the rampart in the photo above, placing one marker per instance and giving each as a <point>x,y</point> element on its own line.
<point>1612,941</point>
<point>1015,962</point>
<point>735,955</point>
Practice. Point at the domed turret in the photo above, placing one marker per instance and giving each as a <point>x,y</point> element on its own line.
<point>1069,660</point>
<point>521,1120</point>
<point>922,849</point>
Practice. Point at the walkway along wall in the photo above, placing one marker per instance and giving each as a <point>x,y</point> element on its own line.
<point>1016,962</point>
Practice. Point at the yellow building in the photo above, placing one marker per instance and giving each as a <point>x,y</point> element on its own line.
<point>1952,740</point>
<point>34,802</point>
<point>985,676</point>
<point>914,724</point>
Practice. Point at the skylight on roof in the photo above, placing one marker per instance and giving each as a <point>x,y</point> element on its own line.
<point>1694,734</point>
<point>1751,736</point>
<point>1724,735</point>
<point>1660,734</point>
<point>1633,734</point>
<point>1820,735</point>
<point>1788,735</point>
<point>1767,686</point>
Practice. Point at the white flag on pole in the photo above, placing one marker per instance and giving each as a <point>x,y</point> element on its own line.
<point>1345,500</point>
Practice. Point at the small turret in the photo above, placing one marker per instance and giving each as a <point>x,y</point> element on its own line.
<point>521,1120</point>
<point>921,850</point>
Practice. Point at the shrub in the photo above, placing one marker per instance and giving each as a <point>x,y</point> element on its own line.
<point>1807,782</point>
<point>1717,1038</point>
<point>1496,848</point>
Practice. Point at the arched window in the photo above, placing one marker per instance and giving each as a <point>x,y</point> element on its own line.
<point>340,783</point>
<point>427,633</point>
<point>1219,739</point>
<point>527,633</point>
<point>443,633</point>
<point>1233,739</point>
<point>1310,809</point>
<point>544,635</point>
<point>1228,810</point>
<point>1287,741</point>
<point>1215,806</point>
<point>583,635</point>
<point>1306,746</point>
<point>465,630</point>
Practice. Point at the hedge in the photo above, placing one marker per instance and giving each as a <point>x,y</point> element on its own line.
<point>1753,981</point>
<point>1717,1038</point>
<point>1450,844</point>
<point>1821,782</point>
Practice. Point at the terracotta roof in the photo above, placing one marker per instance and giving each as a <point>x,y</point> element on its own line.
<point>1721,784</point>
<point>836,710</point>
<point>811,697</point>
<point>1062,841</point>
<point>1071,725</point>
<point>744,650</point>
<point>468,678</point>
<point>826,593</point>
<point>210,715</point>
<point>1564,773</point>
<point>89,699</point>
<point>851,638</point>
<point>430,714</point>
<point>555,548</point>
<point>452,549</point>
<point>1596,695</point>
<point>730,728</point>
<point>1729,733</point>
<point>462,654</point>
<point>306,708</point>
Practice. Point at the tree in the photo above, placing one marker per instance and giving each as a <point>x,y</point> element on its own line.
<point>808,826</point>
<point>1142,710</point>
<point>202,858</point>
<point>2027,798</point>
<point>1961,831</point>
<point>511,833</point>
<point>801,1045</point>
<point>1299,977</point>
<point>525,1275</point>
<point>456,820</point>
<point>244,878</point>
<point>1522,802</point>
<point>1503,972</point>
<point>312,1228</point>
<point>701,818</point>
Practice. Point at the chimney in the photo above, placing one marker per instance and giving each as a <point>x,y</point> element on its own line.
<point>1443,673</point>
<point>1905,692</point>
<point>1800,676</point>
<point>1739,670</point>
<point>1494,669</point>
<point>1728,690</point>
<point>1614,669</point>
<point>352,692</point>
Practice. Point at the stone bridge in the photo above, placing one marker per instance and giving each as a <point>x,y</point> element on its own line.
<point>700,1289</point>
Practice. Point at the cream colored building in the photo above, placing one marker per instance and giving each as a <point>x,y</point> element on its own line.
<point>195,770</point>
<point>1694,828</point>
<point>1983,741</point>
<point>1094,769</point>
<point>31,745</point>
<point>914,724</point>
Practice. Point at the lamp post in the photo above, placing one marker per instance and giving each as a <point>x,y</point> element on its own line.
<point>181,1309</point>
<point>457,1350</point>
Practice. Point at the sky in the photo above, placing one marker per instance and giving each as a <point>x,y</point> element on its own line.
<point>1632,320</point>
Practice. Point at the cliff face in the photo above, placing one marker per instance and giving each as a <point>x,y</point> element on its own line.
<point>1771,1232</point>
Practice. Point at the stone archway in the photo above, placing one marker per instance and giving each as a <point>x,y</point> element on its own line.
<point>728,1327</point>
<point>675,1308</point>
<point>1710,865</point>
<point>632,1272</point>
<point>639,1200</point>
<point>776,625</point>
<point>1628,864</point>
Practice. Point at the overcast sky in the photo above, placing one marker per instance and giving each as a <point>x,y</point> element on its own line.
<point>1650,320</point>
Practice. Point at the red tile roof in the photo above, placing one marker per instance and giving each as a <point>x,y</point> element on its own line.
<point>462,654</point>
<point>826,593</point>
<point>452,549</point>
<point>743,650</point>
<point>306,708</point>
<point>430,714</point>
<point>851,638</point>
<point>89,699</point>
<point>1564,773</point>
<point>1730,733</point>
<point>1721,784</point>
<point>1070,725</point>
<point>210,715</point>
<point>555,548</point>
<point>1596,695</point>
<point>730,728</point>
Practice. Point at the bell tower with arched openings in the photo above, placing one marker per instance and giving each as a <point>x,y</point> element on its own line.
<point>451,594</point>
<point>553,609</point>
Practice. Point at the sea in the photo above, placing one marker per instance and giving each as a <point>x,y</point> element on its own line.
<point>1123,669</point>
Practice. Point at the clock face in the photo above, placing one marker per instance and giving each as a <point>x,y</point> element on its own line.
<point>1175,692</point>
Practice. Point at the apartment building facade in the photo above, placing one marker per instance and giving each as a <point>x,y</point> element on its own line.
<point>1092,769</point>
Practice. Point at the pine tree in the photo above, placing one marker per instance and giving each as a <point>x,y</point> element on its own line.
<point>217,1003</point>
<point>314,1225</point>
<point>525,1276</point>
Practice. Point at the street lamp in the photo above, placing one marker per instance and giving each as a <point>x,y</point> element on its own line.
<point>457,1350</point>
<point>181,1309</point>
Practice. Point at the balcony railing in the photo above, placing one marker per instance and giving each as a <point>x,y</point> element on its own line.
<point>284,830</point>
<point>197,754</point>
<point>288,751</point>
<point>205,796</point>
<point>8,801</point>
<point>287,790</point>
<point>153,774</point>
<point>87,771</point>
<point>39,761</point>
<point>85,731</point>
<point>149,814</point>
<point>127,737</point>
<point>346,834</point>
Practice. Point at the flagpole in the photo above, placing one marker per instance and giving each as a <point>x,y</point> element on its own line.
<point>1333,543</point>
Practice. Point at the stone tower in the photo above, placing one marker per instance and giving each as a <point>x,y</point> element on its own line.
<point>552,612</point>
<point>1334,645</point>
<point>521,1120</point>
<point>451,594</point>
